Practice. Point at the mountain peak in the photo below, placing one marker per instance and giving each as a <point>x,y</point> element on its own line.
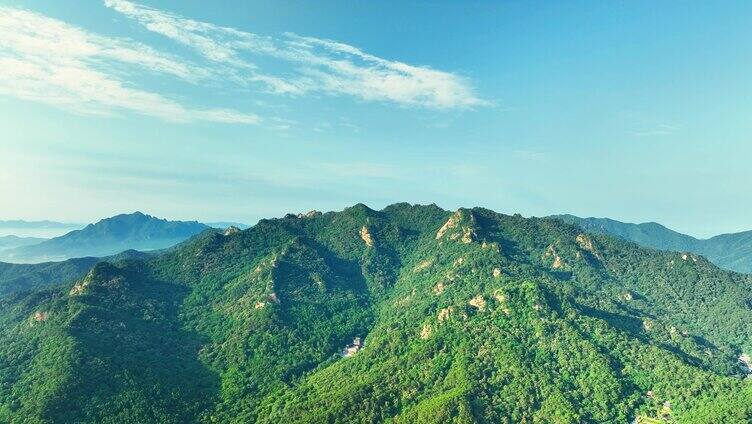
<point>109,236</point>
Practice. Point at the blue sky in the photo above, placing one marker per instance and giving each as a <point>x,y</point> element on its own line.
<point>636,110</point>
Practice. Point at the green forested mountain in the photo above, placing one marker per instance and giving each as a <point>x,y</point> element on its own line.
<point>466,316</point>
<point>730,251</point>
<point>109,236</point>
<point>23,277</point>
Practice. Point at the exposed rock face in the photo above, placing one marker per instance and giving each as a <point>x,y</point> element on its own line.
<point>478,302</point>
<point>423,265</point>
<point>585,243</point>
<point>746,363</point>
<point>352,348</point>
<point>558,261</point>
<point>444,314</point>
<point>40,316</point>
<point>496,272</point>
<point>309,214</point>
<point>425,332</point>
<point>366,236</point>
<point>466,233</point>
<point>79,287</point>
<point>439,288</point>
<point>231,230</point>
<point>451,223</point>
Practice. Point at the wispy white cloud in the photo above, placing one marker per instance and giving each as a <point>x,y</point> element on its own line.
<point>656,131</point>
<point>49,61</point>
<point>318,65</point>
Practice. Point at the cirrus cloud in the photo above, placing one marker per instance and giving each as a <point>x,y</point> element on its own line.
<point>49,61</point>
<point>317,65</point>
<point>46,60</point>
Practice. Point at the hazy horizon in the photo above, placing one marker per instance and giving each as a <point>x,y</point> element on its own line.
<point>634,111</point>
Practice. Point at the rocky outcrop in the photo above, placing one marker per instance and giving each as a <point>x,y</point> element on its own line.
<point>40,316</point>
<point>231,230</point>
<point>366,236</point>
<point>425,332</point>
<point>460,226</point>
<point>445,314</point>
<point>309,214</point>
<point>478,302</point>
<point>79,287</point>
<point>423,265</point>
<point>558,261</point>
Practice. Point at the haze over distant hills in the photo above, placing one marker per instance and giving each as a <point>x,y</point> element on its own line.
<point>38,229</point>
<point>108,237</point>
<point>730,251</point>
<point>411,314</point>
<point>11,241</point>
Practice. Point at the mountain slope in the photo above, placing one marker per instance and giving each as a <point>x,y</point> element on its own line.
<point>107,237</point>
<point>23,277</point>
<point>470,316</point>
<point>9,242</point>
<point>730,251</point>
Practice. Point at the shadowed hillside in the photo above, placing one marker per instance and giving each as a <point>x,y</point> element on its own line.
<point>408,314</point>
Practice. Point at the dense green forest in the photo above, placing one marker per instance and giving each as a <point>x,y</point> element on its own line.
<point>468,316</point>
<point>730,251</point>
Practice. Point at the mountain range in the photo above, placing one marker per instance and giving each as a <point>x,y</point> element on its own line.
<point>19,223</point>
<point>38,229</point>
<point>729,251</point>
<point>409,314</point>
<point>109,236</point>
<point>12,241</point>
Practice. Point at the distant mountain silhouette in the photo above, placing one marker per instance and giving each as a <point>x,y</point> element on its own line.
<point>9,242</point>
<point>730,251</point>
<point>107,237</point>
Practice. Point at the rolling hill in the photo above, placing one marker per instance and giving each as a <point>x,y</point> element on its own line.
<point>109,236</point>
<point>11,241</point>
<point>730,251</point>
<point>411,314</point>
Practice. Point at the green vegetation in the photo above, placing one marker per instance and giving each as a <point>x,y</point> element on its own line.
<point>16,278</point>
<point>729,251</point>
<point>467,317</point>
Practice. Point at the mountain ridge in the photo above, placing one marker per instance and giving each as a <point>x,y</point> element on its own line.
<point>731,251</point>
<point>466,316</point>
<point>108,236</point>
